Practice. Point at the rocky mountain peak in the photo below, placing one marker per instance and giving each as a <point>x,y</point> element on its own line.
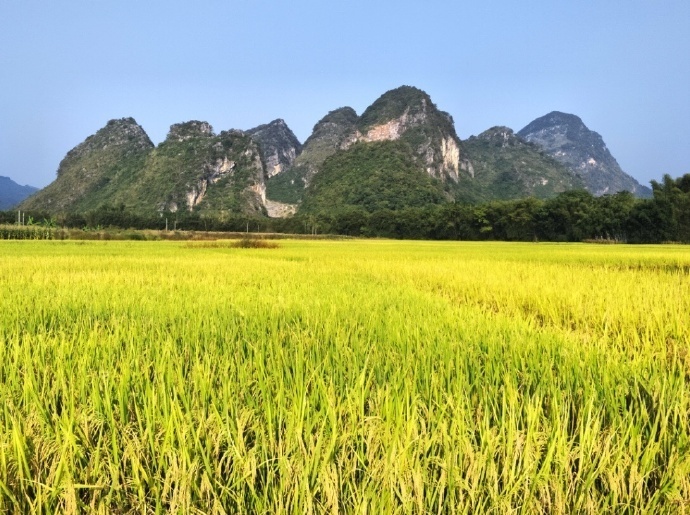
<point>343,118</point>
<point>555,118</point>
<point>193,170</point>
<point>500,136</point>
<point>124,131</point>
<point>408,113</point>
<point>335,131</point>
<point>187,130</point>
<point>278,123</point>
<point>115,150</point>
<point>405,101</point>
<point>563,130</point>
<point>566,138</point>
<point>331,133</point>
<point>224,173</point>
<point>507,167</point>
<point>123,135</point>
<point>279,145</point>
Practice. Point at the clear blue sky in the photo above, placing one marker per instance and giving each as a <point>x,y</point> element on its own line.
<point>67,67</point>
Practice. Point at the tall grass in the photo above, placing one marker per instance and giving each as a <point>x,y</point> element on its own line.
<point>338,377</point>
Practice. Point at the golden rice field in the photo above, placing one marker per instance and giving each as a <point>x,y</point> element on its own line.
<point>344,377</point>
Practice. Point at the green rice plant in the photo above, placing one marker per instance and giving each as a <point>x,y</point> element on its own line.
<point>344,376</point>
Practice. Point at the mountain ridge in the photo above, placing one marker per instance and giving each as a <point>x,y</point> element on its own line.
<point>266,170</point>
<point>479,169</point>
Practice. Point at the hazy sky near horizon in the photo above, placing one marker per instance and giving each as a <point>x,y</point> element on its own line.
<point>67,67</point>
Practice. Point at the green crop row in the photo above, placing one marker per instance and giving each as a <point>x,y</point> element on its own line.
<point>26,232</point>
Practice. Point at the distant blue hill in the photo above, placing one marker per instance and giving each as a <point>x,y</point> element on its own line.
<point>12,193</point>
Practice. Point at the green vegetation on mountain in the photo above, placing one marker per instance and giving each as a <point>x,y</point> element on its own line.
<point>373,176</point>
<point>202,171</point>
<point>289,186</point>
<point>407,101</point>
<point>394,104</point>
<point>326,139</point>
<point>498,164</point>
<point>507,167</point>
<point>112,188</point>
<point>402,153</point>
<point>192,169</point>
<point>406,114</point>
<point>328,135</point>
<point>95,169</point>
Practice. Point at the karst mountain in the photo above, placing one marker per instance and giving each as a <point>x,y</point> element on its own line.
<point>402,151</point>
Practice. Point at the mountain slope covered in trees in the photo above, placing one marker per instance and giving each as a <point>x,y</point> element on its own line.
<point>372,176</point>
<point>507,167</point>
<point>95,169</point>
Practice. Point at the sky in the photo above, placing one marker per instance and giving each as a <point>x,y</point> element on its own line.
<point>69,66</point>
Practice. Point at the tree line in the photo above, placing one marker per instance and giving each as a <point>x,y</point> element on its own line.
<point>571,216</point>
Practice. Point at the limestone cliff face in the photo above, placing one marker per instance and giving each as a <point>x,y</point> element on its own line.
<point>394,129</point>
<point>450,152</point>
<point>408,113</point>
<point>279,146</point>
<point>443,159</point>
<point>280,210</point>
<point>213,172</point>
<point>404,114</point>
<point>207,172</point>
<point>567,139</point>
